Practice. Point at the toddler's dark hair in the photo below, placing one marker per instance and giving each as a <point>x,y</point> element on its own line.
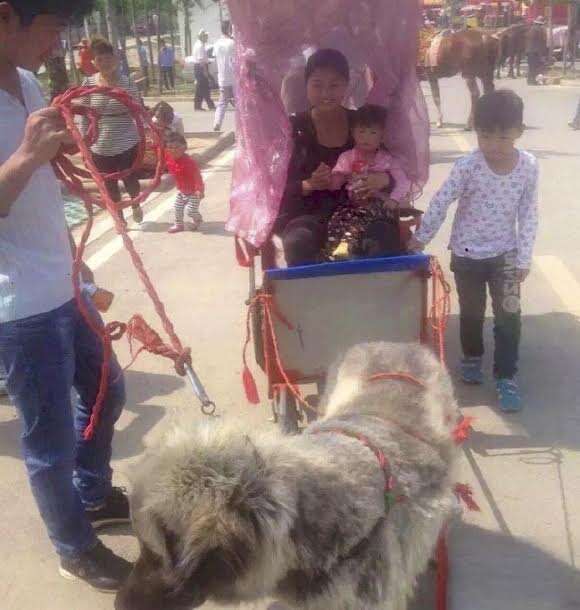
<point>370,115</point>
<point>164,111</point>
<point>175,138</point>
<point>502,109</point>
<point>327,59</point>
<point>29,9</point>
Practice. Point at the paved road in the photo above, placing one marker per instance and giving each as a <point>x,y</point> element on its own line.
<point>521,552</point>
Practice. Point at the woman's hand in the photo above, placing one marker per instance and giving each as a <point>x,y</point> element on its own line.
<point>319,181</point>
<point>371,185</point>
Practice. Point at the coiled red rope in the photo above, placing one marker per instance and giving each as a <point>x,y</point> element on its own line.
<point>71,105</point>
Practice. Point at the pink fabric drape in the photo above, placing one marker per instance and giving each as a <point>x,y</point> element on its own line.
<point>273,38</point>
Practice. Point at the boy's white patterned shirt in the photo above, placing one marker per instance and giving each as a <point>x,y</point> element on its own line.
<point>495,214</point>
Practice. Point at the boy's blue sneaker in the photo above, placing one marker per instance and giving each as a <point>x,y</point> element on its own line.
<point>471,372</point>
<point>508,393</point>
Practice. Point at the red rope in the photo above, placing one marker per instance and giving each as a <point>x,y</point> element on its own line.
<point>442,578</point>
<point>270,310</point>
<point>398,377</point>
<point>440,307</point>
<point>71,105</point>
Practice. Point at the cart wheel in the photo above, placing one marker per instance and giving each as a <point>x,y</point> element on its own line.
<point>286,411</point>
<point>312,414</point>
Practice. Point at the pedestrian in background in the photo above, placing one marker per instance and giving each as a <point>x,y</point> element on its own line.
<point>167,120</point>
<point>224,50</point>
<point>492,238</point>
<point>201,72</point>
<point>167,67</point>
<point>144,63</point>
<point>86,65</point>
<point>536,50</point>
<point>3,376</point>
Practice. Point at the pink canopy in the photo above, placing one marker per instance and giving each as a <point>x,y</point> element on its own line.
<point>273,39</point>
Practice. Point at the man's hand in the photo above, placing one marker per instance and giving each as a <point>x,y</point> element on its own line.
<point>44,134</point>
<point>87,274</point>
<point>415,245</point>
<point>522,274</point>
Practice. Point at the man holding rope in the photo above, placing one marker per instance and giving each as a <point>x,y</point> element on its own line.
<point>46,346</point>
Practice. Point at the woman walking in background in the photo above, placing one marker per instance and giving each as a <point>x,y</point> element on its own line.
<point>116,146</point>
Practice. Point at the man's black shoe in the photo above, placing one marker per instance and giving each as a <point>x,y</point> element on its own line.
<point>99,567</point>
<point>114,511</point>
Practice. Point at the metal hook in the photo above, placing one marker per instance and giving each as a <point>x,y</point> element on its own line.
<point>208,407</point>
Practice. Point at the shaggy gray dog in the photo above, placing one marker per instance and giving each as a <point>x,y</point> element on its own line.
<point>230,517</point>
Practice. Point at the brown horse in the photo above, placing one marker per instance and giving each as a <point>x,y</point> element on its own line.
<point>512,48</point>
<point>471,53</point>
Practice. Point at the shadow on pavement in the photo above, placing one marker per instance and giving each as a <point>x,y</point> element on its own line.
<point>549,379</point>
<point>128,442</point>
<point>493,571</point>
<point>207,228</point>
<point>142,387</point>
<point>445,156</point>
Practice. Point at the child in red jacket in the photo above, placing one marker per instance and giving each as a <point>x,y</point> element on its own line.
<point>188,179</point>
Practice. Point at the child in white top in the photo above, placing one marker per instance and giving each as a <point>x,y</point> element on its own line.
<point>492,238</point>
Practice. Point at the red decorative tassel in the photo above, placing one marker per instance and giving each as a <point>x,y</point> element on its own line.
<point>442,577</point>
<point>462,430</point>
<point>250,386</point>
<point>465,494</point>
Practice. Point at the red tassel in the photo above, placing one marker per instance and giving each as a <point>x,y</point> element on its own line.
<point>250,386</point>
<point>465,494</point>
<point>462,430</point>
<point>442,577</point>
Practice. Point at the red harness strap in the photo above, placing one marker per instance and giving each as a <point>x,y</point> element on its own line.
<point>391,498</point>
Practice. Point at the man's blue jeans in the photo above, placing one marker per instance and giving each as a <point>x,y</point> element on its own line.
<point>45,357</point>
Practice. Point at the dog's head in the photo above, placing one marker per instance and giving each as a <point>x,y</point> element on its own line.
<point>206,512</point>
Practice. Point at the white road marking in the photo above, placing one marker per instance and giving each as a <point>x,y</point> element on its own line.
<point>462,142</point>
<point>562,281</point>
<point>112,247</point>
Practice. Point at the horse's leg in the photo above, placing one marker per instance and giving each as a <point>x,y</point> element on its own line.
<point>436,93</point>
<point>519,64</point>
<point>487,83</point>
<point>511,69</point>
<point>474,93</point>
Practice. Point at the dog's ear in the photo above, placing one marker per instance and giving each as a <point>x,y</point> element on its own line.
<point>171,542</point>
<point>252,497</point>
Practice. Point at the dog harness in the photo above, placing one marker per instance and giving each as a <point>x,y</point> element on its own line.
<point>391,497</point>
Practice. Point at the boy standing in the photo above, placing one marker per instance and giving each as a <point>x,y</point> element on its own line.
<point>46,346</point>
<point>492,239</point>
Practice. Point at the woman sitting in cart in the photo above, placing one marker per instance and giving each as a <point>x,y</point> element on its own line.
<point>321,136</point>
